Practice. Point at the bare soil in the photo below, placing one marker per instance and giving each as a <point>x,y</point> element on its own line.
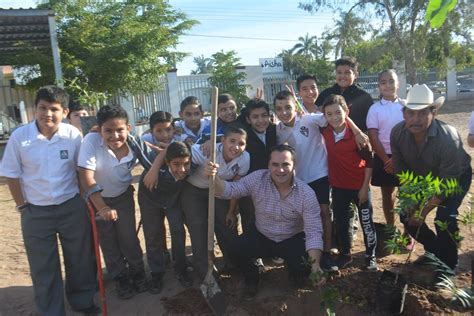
<point>356,286</point>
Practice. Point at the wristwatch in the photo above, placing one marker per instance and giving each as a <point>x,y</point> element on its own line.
<point>21,206</point>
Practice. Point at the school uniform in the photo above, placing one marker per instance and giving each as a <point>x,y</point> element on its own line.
<point>47,173</point>
<point>347,167</point>
<point>357,100</point>
<point>118,239</point>
<point>305,137</point>
<point>154,206</point>
<point>187,133</point>
<point>194,200</point>
<point>383,116</point>
<point>258,146</point>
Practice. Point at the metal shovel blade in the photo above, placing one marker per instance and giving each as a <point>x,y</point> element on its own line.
<point>212,293</point>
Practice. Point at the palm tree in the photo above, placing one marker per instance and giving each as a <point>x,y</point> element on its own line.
<point>204,65</point>
<point>349,31</point>
<point>307,46</point>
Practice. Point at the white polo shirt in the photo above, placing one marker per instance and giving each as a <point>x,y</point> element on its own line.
<point>46,168</point>
<point>383,116</point>
<point>205,123</point>
<point>306,139</point>
<point>227,171</point>
<point>471,124</point>
<point>113,175</point>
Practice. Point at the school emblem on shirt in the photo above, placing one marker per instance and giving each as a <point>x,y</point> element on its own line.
<point>64,154</point>
<point>235,169</point>
<point>304,130</point>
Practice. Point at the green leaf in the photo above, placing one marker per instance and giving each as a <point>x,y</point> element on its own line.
<point>437,10</point>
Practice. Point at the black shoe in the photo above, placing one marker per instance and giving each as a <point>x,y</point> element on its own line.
<point>371,264</point>
<point>156,284</point>
<point>90,311</point>
<point>250,290</point>
<point>124,287</point>
<point>184,279</point>
<point>139,282</point>
<point>343,261</point>
<point>327,263</point>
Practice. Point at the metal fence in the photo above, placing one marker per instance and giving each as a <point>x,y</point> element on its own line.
<point>198,86</point>
<point>274,83</point>
<point>158,100</point>
<point>370,83</point>
<point>465,84</point>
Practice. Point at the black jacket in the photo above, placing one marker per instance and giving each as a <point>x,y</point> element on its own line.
<point>258,151</point>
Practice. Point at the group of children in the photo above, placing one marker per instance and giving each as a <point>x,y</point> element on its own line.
<point>332,156</point>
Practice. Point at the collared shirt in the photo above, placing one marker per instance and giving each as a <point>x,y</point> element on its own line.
<point>383,116</point>
<point>346,162</point>
<point>114,176</point>
<point>187,133</point>
<point>279,218</point>
<point>46,168</point>
<point>238,166</point>
<point>357,100</point>
<point>308,143</point>
<point>441,152</point>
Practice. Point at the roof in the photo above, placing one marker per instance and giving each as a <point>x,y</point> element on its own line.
<point>30,26</point>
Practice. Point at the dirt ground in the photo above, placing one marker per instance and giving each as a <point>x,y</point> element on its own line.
<point>356,287</point>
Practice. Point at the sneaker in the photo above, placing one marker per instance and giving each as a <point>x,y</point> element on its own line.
<point>184,279</point>
<point>139,282</point>
<point>156,284</point>
<point>92,310</point>
<point>260,265</point>
<point>327,263</point>
<point>124,286</point>
<point>343,261</point>
<point>371,264</point>
<point>250,290</point>
<point>277,260</point>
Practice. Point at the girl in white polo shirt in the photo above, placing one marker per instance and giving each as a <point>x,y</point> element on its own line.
<point>106,162</point>
<point>234,162</point>
<point>382,117</point>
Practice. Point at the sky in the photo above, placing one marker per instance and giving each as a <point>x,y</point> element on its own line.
<point>257,28</point>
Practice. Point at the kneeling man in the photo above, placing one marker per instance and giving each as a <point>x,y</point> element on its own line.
<point>287,219</point>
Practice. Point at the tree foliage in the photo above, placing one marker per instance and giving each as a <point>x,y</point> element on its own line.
<point>203,65</point>
<point>113,46</point>
<point>407,28</point>
<point>307,47</point>
<point>225,76</point>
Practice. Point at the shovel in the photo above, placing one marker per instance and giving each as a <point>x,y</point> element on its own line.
<point>97,257</point>
<point>210,288</point>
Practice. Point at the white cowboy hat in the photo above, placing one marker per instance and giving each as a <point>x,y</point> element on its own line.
<point>420,97</point>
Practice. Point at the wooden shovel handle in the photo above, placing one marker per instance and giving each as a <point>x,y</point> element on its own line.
<point>212,158</point>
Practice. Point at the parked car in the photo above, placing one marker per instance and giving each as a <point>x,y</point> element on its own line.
<point>466,85</point>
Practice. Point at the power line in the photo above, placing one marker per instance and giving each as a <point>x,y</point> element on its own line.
<point>257,21</point>
<point>242,37</point>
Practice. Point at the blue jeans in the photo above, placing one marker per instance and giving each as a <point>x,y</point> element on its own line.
<point>442,244</point>
<point>341,199</point>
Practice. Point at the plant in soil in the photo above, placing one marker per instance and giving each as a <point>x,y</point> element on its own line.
<point>414,194</point>
<point>329,294</point>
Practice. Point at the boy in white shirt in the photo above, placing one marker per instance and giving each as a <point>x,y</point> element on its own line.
<point>40,166</point>
<point>302,132</point>
<point>105,163</point>
<point>234,162</point>
<point>192,123</point>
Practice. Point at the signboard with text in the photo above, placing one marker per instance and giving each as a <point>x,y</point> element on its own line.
<point>271,64</point>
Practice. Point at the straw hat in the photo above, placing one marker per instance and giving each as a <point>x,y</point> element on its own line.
<point>420,97</point>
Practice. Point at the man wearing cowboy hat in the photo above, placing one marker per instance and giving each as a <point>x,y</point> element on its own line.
<point>423,144</point>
